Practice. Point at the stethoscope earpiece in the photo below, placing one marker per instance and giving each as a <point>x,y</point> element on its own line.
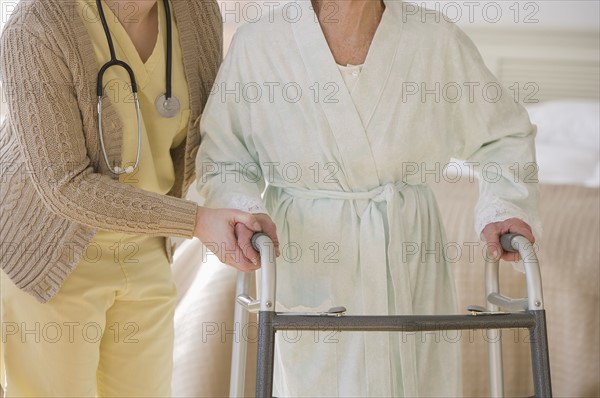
<point>128,170</point>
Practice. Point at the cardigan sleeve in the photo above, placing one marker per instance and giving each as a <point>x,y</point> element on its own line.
<point>45,118</point>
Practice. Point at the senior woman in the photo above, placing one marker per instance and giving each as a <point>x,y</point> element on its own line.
<point>87,205</point>
<point>348,115</point>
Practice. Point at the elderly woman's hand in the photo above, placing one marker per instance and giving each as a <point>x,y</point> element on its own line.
<point>493,231</point>
<point>216,229</point>
<point>244,235</point>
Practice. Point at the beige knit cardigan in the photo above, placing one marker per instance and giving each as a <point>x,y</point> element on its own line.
<point>56,190</point>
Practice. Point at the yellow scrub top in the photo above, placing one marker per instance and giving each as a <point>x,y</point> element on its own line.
<point>155,172</point>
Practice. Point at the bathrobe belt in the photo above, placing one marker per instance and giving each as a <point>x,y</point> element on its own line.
<point>375,262</point>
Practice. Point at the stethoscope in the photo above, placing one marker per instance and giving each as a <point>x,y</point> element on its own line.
<point>167,104</point>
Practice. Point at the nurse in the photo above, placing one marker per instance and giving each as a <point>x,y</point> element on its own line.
<point>95,163</point>
<point>346,115</point>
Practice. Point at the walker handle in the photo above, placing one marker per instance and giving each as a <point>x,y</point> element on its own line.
<point>255,240</point>
<point>245,304</point>
<point>518,243</point>
<point>506,241</point>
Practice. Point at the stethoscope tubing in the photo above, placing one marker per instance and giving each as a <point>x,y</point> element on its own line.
<point>117,169</point>
<point>169,50</point>
<point>110,64</point>
<point>114,61</point>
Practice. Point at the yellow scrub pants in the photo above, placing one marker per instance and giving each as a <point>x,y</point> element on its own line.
<point>108,332</point>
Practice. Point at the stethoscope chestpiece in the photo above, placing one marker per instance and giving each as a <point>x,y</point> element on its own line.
<point>168,107</point>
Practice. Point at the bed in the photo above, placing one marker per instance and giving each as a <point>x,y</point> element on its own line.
<point>555,74</point>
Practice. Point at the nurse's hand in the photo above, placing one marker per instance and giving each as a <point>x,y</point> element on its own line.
<point>216,229</point>
<point>244,236</point>
<point>493,231</point>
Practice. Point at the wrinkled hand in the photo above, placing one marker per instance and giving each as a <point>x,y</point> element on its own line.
<point>251,260</point>
<point>216,229</point>
<point>493,231</point>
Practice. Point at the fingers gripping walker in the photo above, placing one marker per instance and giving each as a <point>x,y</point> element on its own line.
<point>521,313</point>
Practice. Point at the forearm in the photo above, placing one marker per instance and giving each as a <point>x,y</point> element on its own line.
<point>100,202</point>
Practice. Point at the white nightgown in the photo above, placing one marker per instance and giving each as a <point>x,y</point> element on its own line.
<point>346,177</point>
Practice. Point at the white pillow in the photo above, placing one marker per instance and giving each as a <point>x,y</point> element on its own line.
<point>594,181</point>
<point>576,123</point>
<point>568,141</point>
<point>562,164</point>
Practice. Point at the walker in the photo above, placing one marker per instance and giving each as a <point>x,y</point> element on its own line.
<point>518,313</point>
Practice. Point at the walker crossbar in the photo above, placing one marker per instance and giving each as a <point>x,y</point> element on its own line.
<point>402,323</point>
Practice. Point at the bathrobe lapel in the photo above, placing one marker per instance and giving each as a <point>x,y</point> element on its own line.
<point>340,111</point>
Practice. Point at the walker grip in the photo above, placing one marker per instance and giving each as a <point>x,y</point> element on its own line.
<point>254,240</point>
<point>506,242</point>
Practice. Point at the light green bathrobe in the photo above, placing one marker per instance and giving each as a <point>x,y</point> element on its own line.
<point>347,177</point>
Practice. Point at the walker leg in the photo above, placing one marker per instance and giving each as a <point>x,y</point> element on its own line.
<point>266,354</point>
<point>540,361</point>
<point>240,345</point>
<point>495,363</point>
<point>495,366</point>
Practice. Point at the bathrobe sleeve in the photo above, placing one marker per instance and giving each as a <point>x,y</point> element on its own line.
<point>496,137</point>
<point>229,174</point>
